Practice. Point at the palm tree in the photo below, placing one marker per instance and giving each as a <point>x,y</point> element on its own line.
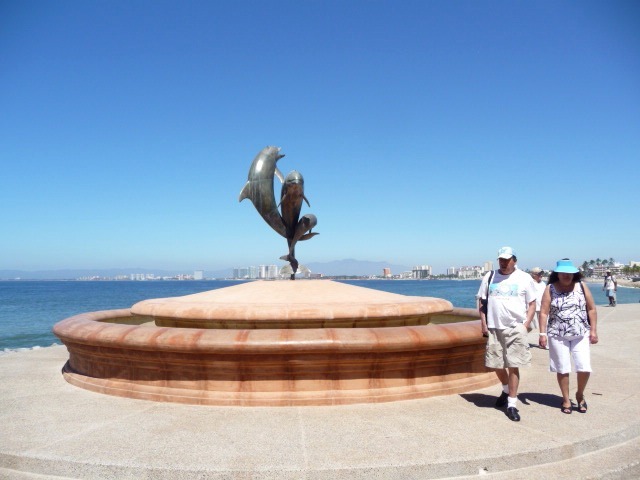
<point>611,262</point>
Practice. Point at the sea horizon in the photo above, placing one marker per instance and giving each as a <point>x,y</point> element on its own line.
<point>30,308</point>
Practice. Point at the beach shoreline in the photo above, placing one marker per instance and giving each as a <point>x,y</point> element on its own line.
<point>621,282</point>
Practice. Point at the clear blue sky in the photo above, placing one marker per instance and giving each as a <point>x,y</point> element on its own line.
<point>428,132</point>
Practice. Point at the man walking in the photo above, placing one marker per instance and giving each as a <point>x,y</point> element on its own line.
<point>611,287</point>
<point>536,274</point>
<point>510,306</point>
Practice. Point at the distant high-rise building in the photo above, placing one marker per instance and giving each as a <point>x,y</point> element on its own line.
<point>487,266</point>
<point>470,272</point>
<point>241,272</point>
<point>263,271</point>
<point>198,275</point>
<point>386,272</point>
<point>421,271</point>
<point>272,271</point>
<point>254,272</point>
<point>452,271</point>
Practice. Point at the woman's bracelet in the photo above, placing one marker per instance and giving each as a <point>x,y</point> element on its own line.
<point>543,334</point>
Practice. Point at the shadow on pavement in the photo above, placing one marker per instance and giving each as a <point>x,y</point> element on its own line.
<point>546,399</point>
<point>480,399</point>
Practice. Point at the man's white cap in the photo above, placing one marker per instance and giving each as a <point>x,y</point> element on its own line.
<point>506,253</point>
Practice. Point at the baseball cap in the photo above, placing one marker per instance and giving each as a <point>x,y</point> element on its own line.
<point>506,253</point>
<point>537,270</point>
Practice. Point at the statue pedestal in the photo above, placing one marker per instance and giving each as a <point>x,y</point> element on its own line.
<point>313,342</point>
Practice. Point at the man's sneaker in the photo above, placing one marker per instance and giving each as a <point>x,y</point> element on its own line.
<point>502,400</point>
<point>512,413</point>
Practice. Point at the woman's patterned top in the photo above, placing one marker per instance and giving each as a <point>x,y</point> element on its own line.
<point>567,313</point>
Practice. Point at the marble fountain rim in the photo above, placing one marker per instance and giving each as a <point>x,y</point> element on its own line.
<point>95,329</point>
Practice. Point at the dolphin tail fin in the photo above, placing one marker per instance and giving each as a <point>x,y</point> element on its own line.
<point>292,260</point>
<point>309,235</point>
<point>244,193</point>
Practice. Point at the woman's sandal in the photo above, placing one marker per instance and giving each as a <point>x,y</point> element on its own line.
<point>566,410</point>
<point>582,406</point>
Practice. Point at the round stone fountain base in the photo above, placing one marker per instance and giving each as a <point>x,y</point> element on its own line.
<point>124,352</point>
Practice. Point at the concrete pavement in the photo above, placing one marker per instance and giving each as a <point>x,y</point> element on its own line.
<point>50,429</point>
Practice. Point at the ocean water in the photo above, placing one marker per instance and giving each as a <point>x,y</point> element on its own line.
<point>29,309</point>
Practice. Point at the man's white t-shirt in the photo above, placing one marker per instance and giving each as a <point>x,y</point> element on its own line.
<point>609,282</point>
<point>540,287</point>
<point>509,298</point>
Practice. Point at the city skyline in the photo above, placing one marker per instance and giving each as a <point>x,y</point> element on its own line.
<point>378,269</point>
<point>427,132</point>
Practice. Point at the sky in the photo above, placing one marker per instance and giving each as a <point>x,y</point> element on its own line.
<point>428,132</point>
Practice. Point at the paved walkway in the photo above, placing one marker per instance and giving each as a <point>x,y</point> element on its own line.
<point>50,429</point>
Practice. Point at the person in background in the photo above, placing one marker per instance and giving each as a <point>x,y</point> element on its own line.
<point>610,287</point>
<point>536,274</point>
<point>568,323</point>
<point>511,304</point>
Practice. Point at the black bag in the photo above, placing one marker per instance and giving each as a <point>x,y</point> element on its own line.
<point>484,302</point>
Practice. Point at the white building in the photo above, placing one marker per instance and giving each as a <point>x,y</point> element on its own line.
<point>272,271</point>
<point>268,272</point>
<point>241,272</point>
<point>470,272</point>
<point>421,271</point>
<point>601,270</point>
<point>254,272</point>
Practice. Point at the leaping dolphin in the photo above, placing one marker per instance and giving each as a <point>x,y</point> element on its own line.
<point>259,187</point>
<point>291,197</point>
<point>306,224</point>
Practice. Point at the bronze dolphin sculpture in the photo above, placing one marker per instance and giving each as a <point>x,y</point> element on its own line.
<point>291,197</point>
<point>259,187</point>
<point>301,232</point>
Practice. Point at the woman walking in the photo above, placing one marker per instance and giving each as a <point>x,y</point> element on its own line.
<point>568,306</point>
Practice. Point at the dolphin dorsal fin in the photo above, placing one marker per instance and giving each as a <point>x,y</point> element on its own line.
<point>305,199</point>
<point>278,174</point>
<point>244,193</point>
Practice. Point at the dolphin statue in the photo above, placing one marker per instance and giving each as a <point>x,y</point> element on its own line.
<point>291,197</point>
<point>259,187</point>
<point>301,232</point>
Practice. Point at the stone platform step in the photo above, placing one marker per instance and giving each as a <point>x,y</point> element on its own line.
<point>50,429</point>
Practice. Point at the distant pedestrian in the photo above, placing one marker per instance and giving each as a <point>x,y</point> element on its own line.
<point>568,306</point>
<point>507,303</point>
<point>536,274</point>
<point>611,288</point>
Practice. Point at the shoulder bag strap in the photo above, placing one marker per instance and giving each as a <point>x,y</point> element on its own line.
<point>489,283</point>
<point>585,303</point>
